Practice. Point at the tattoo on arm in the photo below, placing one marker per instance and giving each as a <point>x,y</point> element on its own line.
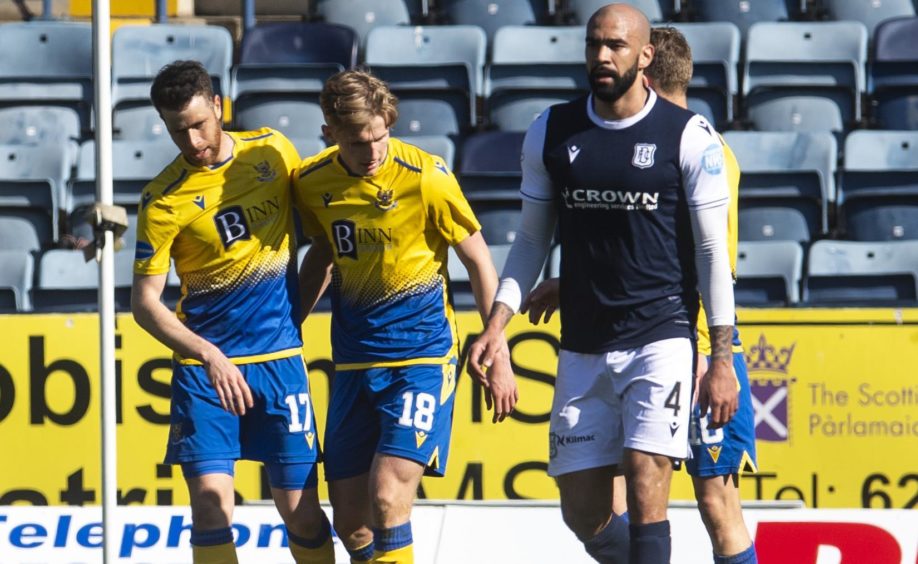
<point>500,314</point>
<point>722,342</point>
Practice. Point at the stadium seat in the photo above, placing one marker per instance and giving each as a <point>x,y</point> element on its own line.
<point>805,76</point>
<point>581,10</point>
<point>768,273</point>
<point>715,57</point>
<point>532,68</point>
<point>33,179</point>
<point>435,72</point>
<point>36,125</point>
<point>16,268</point>
<point>139,52</point>
<point>786,185</point>
<point>291,115</point>
<point>459,283</point>
<point>489,173</point>
<point>861,273</point>
<point>743,13</point>
<point>364,15</point>
<point>490,15</point>
<point>65,282</point>
<point>299,42</point>
<point>438,145</point>
<point>47,63</point>
<point>307,146</point>
<point>25,229</point>
<point>868,13</point>
<point>878,191</point>
<point>134,164</point>
<point>893,81</point>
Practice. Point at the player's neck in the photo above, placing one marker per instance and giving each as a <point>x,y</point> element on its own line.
<point>226,147</point>
<point>630,103</point>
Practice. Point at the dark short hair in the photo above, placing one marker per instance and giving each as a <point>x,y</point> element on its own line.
<point>177,83</point>
<point>671,68</point>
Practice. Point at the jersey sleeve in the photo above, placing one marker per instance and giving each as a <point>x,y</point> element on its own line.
<point>288,152</point>
<point>157,228</point>
<point>447,207</point>
<point>702,163</point>
<point>536,185</point>
<point>309,224</point>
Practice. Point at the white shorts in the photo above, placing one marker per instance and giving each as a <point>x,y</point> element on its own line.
<point>636,398</point>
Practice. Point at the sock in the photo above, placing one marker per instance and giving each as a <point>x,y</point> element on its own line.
<point>747,556</point>
<point>610,545</point>
<point>361,554</point>
<point>393,545</point>
<point>650,543</point>
<point>214,546</point>
<point>318,550</point>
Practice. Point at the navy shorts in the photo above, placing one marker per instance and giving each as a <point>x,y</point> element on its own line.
<point>279,428</point>
<point>404,411</point>
<point>730,449</point>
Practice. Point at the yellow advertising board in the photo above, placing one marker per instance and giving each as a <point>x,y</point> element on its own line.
<point>836,412</point>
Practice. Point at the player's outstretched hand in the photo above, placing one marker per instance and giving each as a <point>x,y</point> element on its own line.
<point>232,389</point>
<point>483,353</point>
<point>501,394</point>
<point>719,392</point>
<point>542,301</point>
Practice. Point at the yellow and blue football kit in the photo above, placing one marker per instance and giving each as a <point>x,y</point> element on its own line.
<point>394,339</point>
<point>730,449</point>
<point>229,230</point>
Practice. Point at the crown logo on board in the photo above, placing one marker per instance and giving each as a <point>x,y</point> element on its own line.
<point>764,356</point>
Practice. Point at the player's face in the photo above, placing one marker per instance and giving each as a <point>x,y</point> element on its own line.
<point>196,130</point>
<point>613,57</point>
<point>362,150</point>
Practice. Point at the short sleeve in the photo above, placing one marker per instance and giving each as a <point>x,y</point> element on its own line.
<point>309,224</point>
<point>156,230</point>
<point>447,207</point>
<point>289,153</point>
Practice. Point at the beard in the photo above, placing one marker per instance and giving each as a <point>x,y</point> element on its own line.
<point>620,83</point>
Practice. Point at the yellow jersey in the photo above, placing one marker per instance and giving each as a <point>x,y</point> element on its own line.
<point>733,178</point>
<point>229,229</point>
<point>390,233</point>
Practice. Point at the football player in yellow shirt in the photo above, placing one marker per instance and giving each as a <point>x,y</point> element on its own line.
<point>222,212</point>
<point>382,214</point>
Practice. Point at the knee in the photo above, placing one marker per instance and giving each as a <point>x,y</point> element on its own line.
<point>390,504</point>
<point>208,509</point>
<point>585,522</point>
<point>352,529</point>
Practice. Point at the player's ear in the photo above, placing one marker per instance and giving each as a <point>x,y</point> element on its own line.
<point>646,56</point>
<point>327,133</point>
<point>218,107</point>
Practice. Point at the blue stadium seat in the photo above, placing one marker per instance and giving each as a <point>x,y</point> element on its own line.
<point>435,72</point>
<point>786,185</point>
<point>893,80</point>
<point>36,125</point>
<point>438,145</point>
<point>299,42</point>
<point>768,273</point>
<point>878,191</point>
<point>490,15</point>
<point>295,118</point>
<point>16,273</point>
<point>489,173</point>
<point>139,52</point>
<point>715,57</point>
<point>65,282</point>
<point>134,164</point>
<point>744,13</point>
<point>364,15</point>
<point>856,273</point>
<point>307,146</point>
<point>532,68</point>
<point>47,63</point>
<point>870,13</point>
<point>805,76</point>
<point>33,180</point>
<point>653,9</point>
<point>460,285</point>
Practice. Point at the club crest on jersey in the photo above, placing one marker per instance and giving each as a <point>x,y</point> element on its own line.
<point>385,199</point>
<point>643,155</point>
<point>265,172</point>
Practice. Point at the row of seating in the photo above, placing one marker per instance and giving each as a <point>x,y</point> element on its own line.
<point>798,76</point>
<point>770,273</point>
<point>791,187</point>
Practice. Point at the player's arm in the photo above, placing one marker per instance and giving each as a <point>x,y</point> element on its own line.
<point>315,274</point>
<point>151,314</point>
<point>707,191</point>
<point>502,393</point>
<point>529,250</point>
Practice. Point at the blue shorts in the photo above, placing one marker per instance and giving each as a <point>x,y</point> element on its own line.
<point>730,449</point>
<point>279,428</point>
<point>404,411</point>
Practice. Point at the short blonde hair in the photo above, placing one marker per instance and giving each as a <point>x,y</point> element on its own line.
<point>671,68</point>
<point>351,98</point>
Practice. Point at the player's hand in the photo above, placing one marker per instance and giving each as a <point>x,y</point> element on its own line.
<point>542,301</point>
<point>719,392</point>
<point>501,393</point>
<point>232,389</point>
<point>483,353</point>
<point>701,368</point>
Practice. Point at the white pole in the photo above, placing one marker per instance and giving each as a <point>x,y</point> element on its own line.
<point>101,26</point>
